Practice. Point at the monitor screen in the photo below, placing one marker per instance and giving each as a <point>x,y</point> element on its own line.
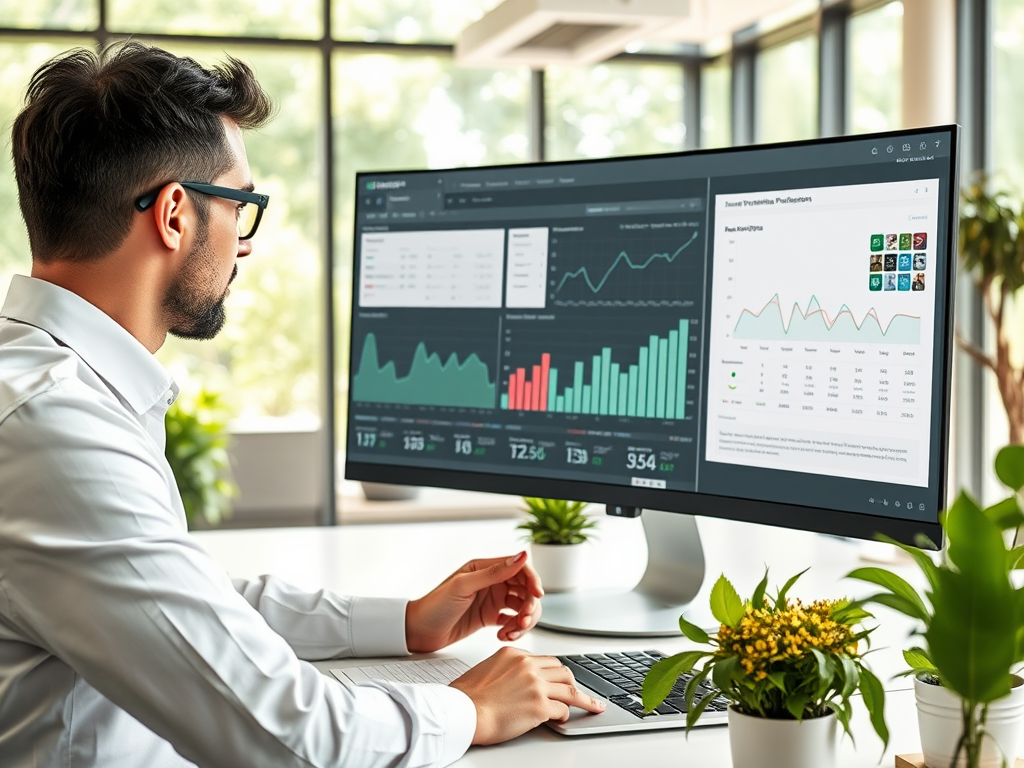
<point>759,333</point>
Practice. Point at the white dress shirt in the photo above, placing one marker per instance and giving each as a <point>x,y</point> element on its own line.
<point>122,644</point>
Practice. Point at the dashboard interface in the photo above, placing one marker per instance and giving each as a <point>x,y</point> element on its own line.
<point>768,323</point>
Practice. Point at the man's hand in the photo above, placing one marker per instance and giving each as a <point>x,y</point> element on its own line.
<point>514,692</point>
<point>502,592</point>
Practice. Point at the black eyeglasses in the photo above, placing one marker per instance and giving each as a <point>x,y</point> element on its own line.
<point>249,213</point>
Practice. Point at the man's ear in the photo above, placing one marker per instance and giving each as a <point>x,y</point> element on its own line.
<point>173,214</point>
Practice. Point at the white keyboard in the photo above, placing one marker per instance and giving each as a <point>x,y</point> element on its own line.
<point>440,671</point>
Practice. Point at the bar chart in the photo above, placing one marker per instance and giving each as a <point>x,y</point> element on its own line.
<point>608,382</point>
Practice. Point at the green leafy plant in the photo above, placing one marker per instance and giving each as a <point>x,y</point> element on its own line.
<point>992,248</point>
<point>971,617</point>
<point>554,521</point>
<point>197,442</point>
<point>773,657</point>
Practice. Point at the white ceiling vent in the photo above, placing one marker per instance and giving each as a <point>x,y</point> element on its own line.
<point>543,32</point>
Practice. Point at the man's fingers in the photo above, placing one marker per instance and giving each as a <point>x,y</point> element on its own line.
<point>569,694</point>
<point>481,574</point>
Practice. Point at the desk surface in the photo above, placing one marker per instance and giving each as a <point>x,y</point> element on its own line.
<point>408,559</point>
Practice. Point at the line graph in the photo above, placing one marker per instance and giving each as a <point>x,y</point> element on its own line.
<point>814,324</point>
<point>623,257</point>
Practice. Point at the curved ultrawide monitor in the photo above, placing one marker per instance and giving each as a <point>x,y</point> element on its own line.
<point>759,333</point>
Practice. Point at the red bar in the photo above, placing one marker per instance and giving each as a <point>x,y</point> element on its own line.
<point>545,368</point>
<point>528,397</point>
<point>520,385</point>
<point>512,392</point>
<point>536,388</point>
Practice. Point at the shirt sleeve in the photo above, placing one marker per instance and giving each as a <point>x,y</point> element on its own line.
<point>325,625</point>
<point>100,574</point>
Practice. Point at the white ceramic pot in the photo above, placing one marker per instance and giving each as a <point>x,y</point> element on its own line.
<point>760,742</point>
<point>560,566</point>
<point>940,720</point>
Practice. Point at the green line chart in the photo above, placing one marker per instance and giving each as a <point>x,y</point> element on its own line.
<point>452,383</point>
<point>814,324</point>
<point>622,258</point>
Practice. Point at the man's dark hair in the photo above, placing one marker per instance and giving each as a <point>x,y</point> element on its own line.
<point>100,129</point>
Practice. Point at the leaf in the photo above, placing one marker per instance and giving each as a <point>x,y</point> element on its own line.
<point>692,687</point>
<point>663,675</point>
<point>851,677</point>
<point>897,603</point>
<point>757,599</point>
<point>873,693</point>
<point>1010,466</point>
<point>1016,558</point>
<point>972,636</point>
<point>724,671</point>
<point>726,605</point>
<point>778,680</point>
<point>780,599</point>
<point>843,712</point>
<point>917,659</point>
<point>694,712</point>
<point>1006,514</point>
<point>692,631</point>
<point>796,703</point>
<point>895,584</point>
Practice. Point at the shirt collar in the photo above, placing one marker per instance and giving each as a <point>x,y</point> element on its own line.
<point>105,346</point>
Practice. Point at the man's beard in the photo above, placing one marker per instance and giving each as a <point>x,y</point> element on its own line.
<point>194,313</point>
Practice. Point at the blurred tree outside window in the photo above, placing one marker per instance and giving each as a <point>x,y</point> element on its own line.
<point>876,65</point>
<point>613,109</point>
<point>49,14</point>
<point>716,104</point>
<point>405,111</point>
<point>787,91</point>
<point>267,18</point>
<point>405,21</point>
<point>18,60</point>
<point>1008,174</point>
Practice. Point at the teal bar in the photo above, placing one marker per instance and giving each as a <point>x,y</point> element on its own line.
<point>641,384</point>
<point>684,339</point>
<point>504,402</point>
<point>595,383</point>
<point>586,398</point>
<point>623,393</point>
<point>552,388</point>
<point>652,376</point>
<point>568,400</point>
<point>577,389</point>
<point>633,387</point>
<point>673,364</point>
<point>662,377</point>
<point>613,393</point>
<point>606,362</point>
<point>560,404</point>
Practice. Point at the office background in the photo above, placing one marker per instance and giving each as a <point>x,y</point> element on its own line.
<point>364,86</point>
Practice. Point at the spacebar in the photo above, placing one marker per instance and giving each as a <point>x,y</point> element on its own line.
<point>593,682</point>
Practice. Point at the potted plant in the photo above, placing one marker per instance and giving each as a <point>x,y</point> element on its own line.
<point>787,669</point>
<point>971,619</point>
<point>196,449</point>
<point>555,529</point>
<point>992,248</point>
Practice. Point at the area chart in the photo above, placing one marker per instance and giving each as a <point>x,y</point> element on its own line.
<point>430,381</point>
<point>814,324</point>
<point>654,387</point>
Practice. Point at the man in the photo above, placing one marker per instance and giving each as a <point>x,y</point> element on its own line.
<point>121,642</point>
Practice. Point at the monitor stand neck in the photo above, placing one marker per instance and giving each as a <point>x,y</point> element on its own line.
<point>675,572</point>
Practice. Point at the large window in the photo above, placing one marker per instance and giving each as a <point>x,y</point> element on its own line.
<point>787,91</point>
<point>613,109</point>
<point>716,104</point>
<point>876,64</point>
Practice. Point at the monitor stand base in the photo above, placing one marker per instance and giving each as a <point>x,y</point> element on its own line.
<point>675,572</point>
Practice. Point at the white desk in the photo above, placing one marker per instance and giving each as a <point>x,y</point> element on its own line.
<point>409,559</point>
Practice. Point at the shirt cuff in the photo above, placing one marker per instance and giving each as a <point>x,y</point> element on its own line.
<point>378,626</point>
<point>460,714</point>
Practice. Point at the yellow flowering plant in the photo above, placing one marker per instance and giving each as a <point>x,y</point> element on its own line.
<point>775,658</point>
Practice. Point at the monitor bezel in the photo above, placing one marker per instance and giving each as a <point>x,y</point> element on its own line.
<point>798,517</point>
